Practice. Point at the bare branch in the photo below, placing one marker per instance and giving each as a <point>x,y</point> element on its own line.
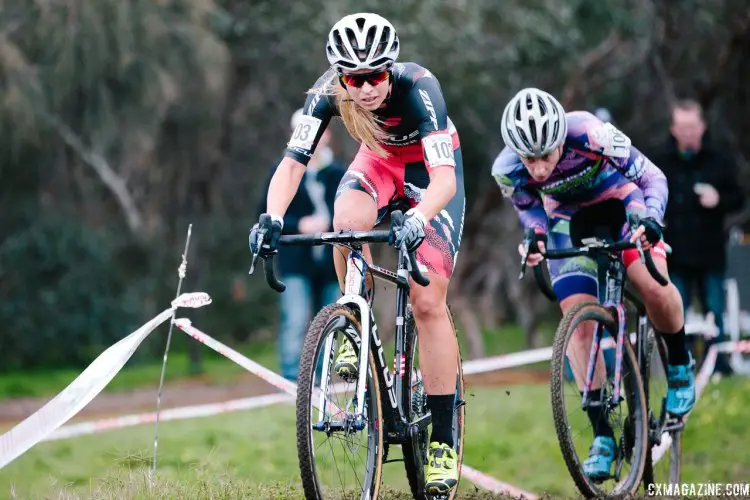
<point>592,57</point>
<point>100,165</point>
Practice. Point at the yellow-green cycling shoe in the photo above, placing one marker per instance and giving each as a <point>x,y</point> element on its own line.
<point>346,362</point>
<point>441,473</point>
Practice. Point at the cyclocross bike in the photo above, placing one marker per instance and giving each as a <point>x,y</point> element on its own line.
<point>362,418</point>
<point>637,388</point>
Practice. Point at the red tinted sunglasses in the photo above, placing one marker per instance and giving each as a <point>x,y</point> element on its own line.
<point>357,81</point>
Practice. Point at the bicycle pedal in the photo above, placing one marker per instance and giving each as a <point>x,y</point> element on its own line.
<point>673,425</point>
<point>601,479</point>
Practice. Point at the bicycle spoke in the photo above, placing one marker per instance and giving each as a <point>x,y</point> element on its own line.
<point>336,433</point>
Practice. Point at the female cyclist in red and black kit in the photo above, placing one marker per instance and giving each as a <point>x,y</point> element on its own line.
<point>409,154</point>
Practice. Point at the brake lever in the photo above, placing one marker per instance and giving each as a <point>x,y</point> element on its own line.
<point>524,259</point>
<point>641,253</point>
<point>405,254</point>
<point>255,255</point>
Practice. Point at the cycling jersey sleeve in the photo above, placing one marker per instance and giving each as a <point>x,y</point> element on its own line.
<point>316,115</point>
<point>606,140</point>
<point>526,201</point>
<point>647,176</point>
<point>426,98</point>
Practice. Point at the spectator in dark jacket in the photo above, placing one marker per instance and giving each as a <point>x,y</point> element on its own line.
<point>308,272</point>
<point>703,189</point>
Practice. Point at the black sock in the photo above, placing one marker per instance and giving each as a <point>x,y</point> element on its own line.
<point>441,408</point>
<point>677,349</point>
<point>598,415</point>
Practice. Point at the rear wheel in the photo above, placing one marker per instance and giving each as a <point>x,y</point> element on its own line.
<point>626,418</point>
<point>340,456</point>
<point>415,406</point>
<point>664,456</point>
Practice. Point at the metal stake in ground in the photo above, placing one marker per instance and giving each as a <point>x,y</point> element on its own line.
<point>181,273</point>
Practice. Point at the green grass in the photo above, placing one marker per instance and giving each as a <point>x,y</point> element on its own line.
<point>216,368</point>
<point>510,435</point>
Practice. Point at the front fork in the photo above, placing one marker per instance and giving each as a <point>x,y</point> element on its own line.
<point>354,284</point>
<point>593,354</point>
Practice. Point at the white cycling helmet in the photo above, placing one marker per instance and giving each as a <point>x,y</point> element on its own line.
<point>533,123</point>
<point>362,41</point>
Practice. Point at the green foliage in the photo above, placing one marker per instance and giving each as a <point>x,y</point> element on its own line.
<point>184,105</point>
<point>61,300</point>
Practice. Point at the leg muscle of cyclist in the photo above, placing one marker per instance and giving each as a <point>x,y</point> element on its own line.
<point>357,211</point>
<point>663,303</point>
<point>438,353</point>
<point>438,350</point>
<point>664,307</point>
<point>579,347</point>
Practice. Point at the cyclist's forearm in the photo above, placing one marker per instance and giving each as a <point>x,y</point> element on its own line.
<point>441,189</point>
<point>283,186</point>
<point>533,217</point>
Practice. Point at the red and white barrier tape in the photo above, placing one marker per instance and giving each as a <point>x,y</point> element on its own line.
<point>182,413</point>
<point>86,386</point>
<point>50,432</point>
<point>248,364</point>
<point>77,395</point>
<point>478,478</point>
<point>494,485</point>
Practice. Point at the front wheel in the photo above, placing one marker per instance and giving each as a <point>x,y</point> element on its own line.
<point>415,406</point>
<point>340,452</point>
<point>626,418</point>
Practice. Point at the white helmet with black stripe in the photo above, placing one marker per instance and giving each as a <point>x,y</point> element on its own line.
<point>533,123</point>
<point>362,41</point>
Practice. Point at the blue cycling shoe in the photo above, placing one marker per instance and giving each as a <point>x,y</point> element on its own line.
<point>681,388</point>
<point>599,462</point>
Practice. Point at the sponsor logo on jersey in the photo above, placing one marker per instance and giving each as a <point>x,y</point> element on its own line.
<point>428,105</point>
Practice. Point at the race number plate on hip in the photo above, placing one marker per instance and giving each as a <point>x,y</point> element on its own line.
<point>438,148</point>
<point>304,134</point>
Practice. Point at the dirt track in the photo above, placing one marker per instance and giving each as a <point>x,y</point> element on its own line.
<point>197,391</point>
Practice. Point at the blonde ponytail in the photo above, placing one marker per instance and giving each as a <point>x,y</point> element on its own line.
<point>361,124</point>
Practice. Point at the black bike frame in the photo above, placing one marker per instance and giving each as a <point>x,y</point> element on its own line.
<point>396,424</point>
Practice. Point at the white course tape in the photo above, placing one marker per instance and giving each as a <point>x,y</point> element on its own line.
<point>507,361</point>
<point>182,413</point>
<point>77,395</point>
<point>248,364</point>
<point>192,300</point>
<point>478,478</point>
<point>197,300</point>
<point>494,485</point>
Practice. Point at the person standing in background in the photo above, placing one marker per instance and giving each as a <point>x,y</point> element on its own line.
<point>308,272</point>
<point>703,190</point>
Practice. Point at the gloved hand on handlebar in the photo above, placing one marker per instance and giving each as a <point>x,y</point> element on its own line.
<point>649,231</point>
<point>534,258</point>
<point>411,232</point>
<point>269,228</point>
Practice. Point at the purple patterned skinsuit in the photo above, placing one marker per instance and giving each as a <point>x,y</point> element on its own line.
<point>598,163</point>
